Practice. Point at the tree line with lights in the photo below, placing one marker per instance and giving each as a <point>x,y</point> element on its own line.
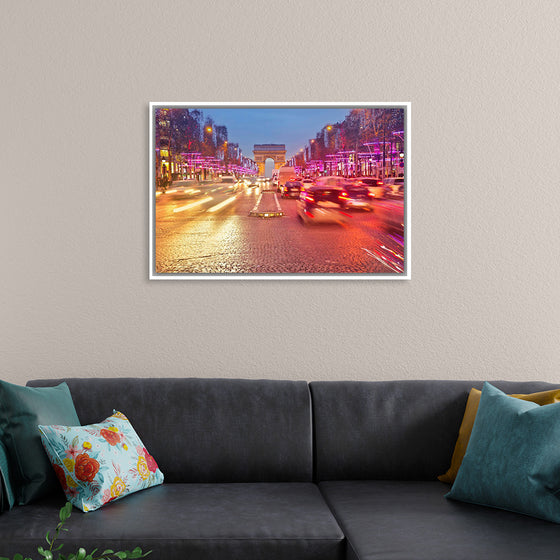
<point>368,140</point>
<point>186,139</point>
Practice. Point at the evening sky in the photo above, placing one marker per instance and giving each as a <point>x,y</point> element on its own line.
<point>293,127</point>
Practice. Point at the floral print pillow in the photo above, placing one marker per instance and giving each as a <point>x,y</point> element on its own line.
<point>99,463</point>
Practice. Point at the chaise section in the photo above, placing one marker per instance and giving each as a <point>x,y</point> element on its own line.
<point>272,521</point>
<point>396,520</point>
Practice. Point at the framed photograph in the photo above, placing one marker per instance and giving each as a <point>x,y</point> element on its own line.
<point>269,191</point>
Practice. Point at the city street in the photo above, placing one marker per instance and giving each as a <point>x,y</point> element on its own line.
<point>207,228</point>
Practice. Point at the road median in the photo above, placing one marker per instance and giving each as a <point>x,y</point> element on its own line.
<point>267,206</point>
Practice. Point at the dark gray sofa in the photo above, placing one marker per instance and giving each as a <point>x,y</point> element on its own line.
<point>288,470</point>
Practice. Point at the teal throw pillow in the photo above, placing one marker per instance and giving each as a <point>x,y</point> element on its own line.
<point>513,457</point>
<point>7,497</point>
<point>99,463</point>
<point>21,410</point>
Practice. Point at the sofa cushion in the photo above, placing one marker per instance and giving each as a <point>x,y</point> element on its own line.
<point>99,463</point>
<point>276,521</point>
<point>209,430</point>
<point>394,430</point>
<point>411,520</point>
<point>21,410</point>
<point>541,398</point>
<point>513,457</point>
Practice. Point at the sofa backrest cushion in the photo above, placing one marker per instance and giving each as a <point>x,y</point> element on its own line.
<point>208,430</point>
<point>392,430</point>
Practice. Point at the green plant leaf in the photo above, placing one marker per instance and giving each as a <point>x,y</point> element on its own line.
<point>64,514</point>
<point>46,554</point>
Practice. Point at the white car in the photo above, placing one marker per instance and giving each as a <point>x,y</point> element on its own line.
<point>395,186</point>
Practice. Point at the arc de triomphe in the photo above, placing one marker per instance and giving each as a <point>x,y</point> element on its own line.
<point>262,152</point>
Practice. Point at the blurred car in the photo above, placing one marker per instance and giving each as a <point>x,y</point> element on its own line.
<point>263,182</point>
<point>390,214</point>
<point>321,204</point>
<point>292,189</point>
<point>395,187</point>
<point>331,181</point>
<point>356,196</point>
<point>230,182</point>
<point>307,183</point>
<point>352,195</point>
<point>286,174</point>
<point>376,187</point>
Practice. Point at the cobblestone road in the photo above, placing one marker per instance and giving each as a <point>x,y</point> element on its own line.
<point>209,230</point>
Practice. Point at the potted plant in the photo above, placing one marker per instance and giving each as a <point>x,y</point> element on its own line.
<point>53,553</point>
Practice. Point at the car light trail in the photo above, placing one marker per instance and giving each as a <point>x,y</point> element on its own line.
<point>192,204</point>
<point>158,193</point>
<point>222,204</point>
<point>388,262</point>
<point>399,256</point>
<point>172,191</point>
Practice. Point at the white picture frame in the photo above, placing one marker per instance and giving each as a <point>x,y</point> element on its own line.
<point>170,218</point>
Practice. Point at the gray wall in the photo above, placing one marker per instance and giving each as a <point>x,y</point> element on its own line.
<point>483,80</point>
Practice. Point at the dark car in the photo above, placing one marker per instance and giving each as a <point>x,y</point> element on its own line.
<point>292,189</point>
<point>357,196</point>
<point>322,204</point>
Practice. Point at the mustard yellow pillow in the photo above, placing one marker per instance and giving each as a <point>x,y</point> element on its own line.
<point>541,398</point>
